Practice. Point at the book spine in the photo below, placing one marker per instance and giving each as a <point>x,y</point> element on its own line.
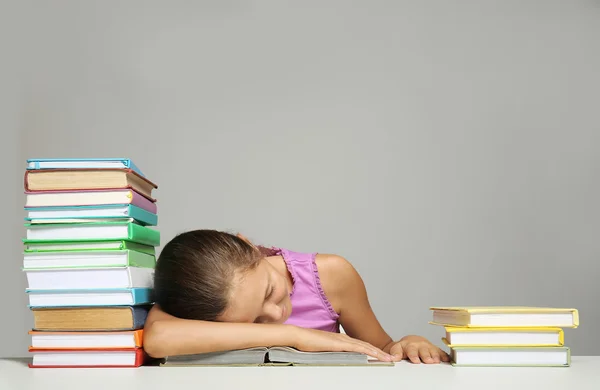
<point>142,202</point>
<point>26,181</point>
<point>144,235</point>
<point>134,246</point>
<point>138,259</point>
<point>134,167</point>
<point>141,296</point>
<point>143,216</point>
<point>139,315</point>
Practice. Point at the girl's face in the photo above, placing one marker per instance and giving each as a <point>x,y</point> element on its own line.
<point>261,295</point>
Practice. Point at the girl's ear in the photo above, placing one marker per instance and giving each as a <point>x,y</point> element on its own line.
<point>240,235</point>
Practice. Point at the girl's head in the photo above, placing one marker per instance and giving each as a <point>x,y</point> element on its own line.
<point>216,276</point>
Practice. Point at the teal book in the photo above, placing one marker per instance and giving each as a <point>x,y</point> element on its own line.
<point>87,259</point>
<point>65,214</point>
<point>90,298</point>
<point>82,163</point>
<point>87,231</point>
<point>75,214</point>
<point>78,246</point>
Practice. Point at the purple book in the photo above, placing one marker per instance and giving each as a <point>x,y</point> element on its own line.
<point>89,198</point>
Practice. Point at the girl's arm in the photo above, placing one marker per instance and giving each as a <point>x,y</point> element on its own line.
<point>345,289</point>
<point>165,335</point>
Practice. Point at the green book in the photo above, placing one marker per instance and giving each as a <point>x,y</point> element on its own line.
<point>97,245</point>
<point>91,231</point>
<point>87,259</point>
<point>499,356</point>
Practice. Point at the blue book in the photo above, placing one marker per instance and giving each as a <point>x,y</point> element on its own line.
<point>82,163</point>
<point>62,214</point>
<point>93,297</point>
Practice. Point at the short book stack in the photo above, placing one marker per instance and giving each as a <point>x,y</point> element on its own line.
<point>506,336</point>
<point>89,258</point>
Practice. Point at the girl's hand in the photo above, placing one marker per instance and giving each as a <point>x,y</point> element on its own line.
<point>418,349</point>
<point>311,340</point>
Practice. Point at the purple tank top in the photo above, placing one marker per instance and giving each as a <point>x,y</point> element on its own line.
<point>310,307</point>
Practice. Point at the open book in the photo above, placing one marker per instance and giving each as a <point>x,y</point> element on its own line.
<point>273,356</point>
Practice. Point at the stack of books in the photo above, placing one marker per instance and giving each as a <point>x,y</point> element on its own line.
<point>506,336</point>
<point>89,258</point>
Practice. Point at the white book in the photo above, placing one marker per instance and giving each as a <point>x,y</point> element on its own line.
<point>92,278</point>
<point>41,221</point>
<point>73,246</point>
<point>505,316</point>
<point>49,199</point>
<point>73,259</point>
<point>86,358</point>
<point>515,356</point>
<point>89,231</point>
<point>78,212</point>
<point>86,163</point>
<point>84,339</point>
<point>543,336</point>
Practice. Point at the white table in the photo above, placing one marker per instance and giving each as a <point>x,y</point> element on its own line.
<point>584,373</point>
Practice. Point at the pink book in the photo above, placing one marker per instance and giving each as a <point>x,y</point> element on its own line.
<point>89,198</point>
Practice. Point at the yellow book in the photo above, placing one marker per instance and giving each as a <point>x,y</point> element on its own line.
<point>505,316</point>
<point>504,337</point>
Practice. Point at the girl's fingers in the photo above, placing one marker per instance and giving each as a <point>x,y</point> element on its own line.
<point>412,352</point>
<point>378,353</point>
<point>398,353</point>
<point>445,357</point>
<point>435,355</point>
<point>368,349</point>
<point>372,350</point>
<point>425,355</point>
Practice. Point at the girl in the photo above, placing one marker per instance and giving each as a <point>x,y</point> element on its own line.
<point>215,291</point>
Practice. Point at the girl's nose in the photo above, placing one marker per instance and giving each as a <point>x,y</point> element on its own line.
<point>273,312</point>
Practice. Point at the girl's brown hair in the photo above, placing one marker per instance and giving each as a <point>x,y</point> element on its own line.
<point>195,270</point>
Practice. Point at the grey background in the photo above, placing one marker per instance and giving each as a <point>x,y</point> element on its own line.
<point>449,149</point>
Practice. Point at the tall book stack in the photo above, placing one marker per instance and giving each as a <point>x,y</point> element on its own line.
<point>89,258</point>
<point>506,336</point>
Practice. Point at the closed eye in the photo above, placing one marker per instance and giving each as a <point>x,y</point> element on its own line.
<point>269,293</point>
